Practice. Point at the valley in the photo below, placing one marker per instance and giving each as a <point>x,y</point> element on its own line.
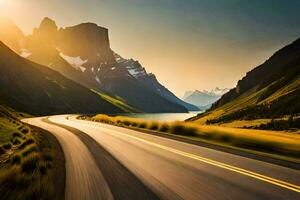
<point>90,106</point>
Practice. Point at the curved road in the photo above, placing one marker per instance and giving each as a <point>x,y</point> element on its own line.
<point>109,162</point>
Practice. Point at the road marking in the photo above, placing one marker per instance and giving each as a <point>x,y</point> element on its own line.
<point>255,175</point>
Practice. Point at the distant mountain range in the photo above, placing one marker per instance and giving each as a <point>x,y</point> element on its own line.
<point>204,99</point>
<point>82,53</point>
<point>271,90</point>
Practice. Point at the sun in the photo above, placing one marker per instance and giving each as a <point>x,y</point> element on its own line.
<point>4,4</point>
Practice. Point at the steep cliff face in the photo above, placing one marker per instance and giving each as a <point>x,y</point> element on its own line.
<point>43,47</point>
<point>89,41</point>
<point>82,53</point>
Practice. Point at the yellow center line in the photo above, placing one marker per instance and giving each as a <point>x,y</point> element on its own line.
<point>255,175</point>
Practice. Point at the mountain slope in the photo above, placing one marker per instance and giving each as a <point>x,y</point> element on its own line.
<point>83,54</point>
<point>35,89</point>
<point>151,81</point>
<point>271,90</point>
<point>134,70</point>
<point>118,81</point>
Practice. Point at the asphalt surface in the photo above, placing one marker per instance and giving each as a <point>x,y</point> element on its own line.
<point>84,180</point>
<point>109,162</point>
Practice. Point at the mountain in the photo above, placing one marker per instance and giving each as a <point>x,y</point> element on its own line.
<point>149,80</point>
<point>82,53</point>
<point>124,79</point>
<point>271,90</point>
<point>204,99</point>
<point>32,88</point>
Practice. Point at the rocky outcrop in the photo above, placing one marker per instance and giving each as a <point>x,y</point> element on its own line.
<point>89,41</point>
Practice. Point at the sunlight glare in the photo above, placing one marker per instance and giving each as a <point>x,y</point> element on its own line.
<point>4,6</point>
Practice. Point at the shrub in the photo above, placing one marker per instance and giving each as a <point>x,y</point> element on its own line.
<point>126,123</point>
<point>2,151</point>
<point>43,169</point>
<point>183,129</point>
<point>16,141</point>
<point>154,126</point>
<point>134,124</point>
<point>47,156</point>
<point>29,164</point>
<point>13,178</point>
<point>15,159</point>
<point>177,129</point>
<point>48,165</point>
<point>28,150</point>
<point>164,128</point>
<point>190,131</point>
<point>26,142</point>
<point>17,135</point>
<point>142,125</point>
<point>25,131</point>
<point>7,146</point>
<point>224,138</point>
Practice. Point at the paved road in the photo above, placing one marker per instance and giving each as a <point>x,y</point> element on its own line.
<point>83,178</point>
<point>160,168</point>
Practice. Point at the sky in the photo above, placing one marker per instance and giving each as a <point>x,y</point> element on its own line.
<point>188,45</point>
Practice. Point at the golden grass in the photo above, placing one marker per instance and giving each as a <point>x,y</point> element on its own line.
<point>292,86</point>
<point>284,144</point>
<point>27,172</point>
<point>242,123</point>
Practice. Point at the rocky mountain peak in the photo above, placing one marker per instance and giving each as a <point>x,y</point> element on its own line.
<point>48,25</point>
<point>89,41</point>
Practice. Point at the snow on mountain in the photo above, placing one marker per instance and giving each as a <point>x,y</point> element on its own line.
<point>75,62</point>
<point>204,98</point>
<point>219,91</point>
<point>25,53</point>
<point>133,67</point>
<point>136,71</point>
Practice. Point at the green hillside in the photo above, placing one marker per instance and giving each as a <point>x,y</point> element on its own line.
<point>118,102</point>
<point>270,91</point>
